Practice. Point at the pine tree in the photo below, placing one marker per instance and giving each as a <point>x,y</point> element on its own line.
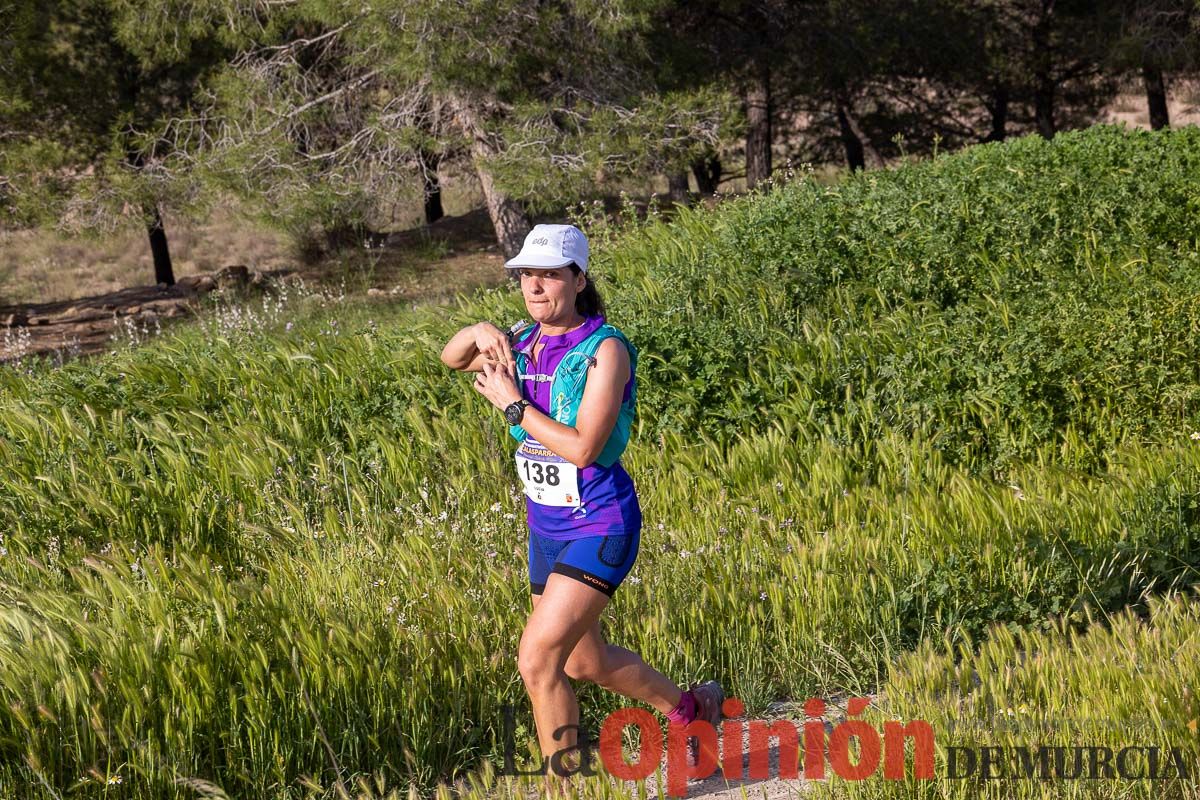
<point>78,95</point>
<point>331,110</point>
<point>1158,37</point>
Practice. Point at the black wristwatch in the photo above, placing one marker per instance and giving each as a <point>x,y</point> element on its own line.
<point>515,411</point>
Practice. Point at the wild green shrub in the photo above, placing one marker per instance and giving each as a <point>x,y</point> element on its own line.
<point>1014,298</point>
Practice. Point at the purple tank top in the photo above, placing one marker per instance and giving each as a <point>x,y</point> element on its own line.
<point>609,501</point>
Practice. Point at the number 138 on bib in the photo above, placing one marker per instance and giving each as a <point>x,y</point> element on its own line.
<point>548,479</point>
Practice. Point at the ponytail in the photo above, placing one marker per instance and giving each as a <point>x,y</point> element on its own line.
<point>588,302</point>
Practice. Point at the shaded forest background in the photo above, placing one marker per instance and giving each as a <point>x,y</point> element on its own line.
<point>327,124</point>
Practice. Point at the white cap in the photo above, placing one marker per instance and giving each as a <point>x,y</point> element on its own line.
<point>548,246</point>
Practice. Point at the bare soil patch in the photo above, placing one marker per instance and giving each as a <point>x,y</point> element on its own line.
<point>429,263</point>
<point>719,786</point>
<point>70,328</point>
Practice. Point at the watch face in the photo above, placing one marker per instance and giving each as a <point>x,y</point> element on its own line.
<point>514,413</point>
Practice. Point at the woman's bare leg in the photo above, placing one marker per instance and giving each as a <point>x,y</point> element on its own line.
<point>561,640</point>
<point>618,670</point>
<point>566,610</point>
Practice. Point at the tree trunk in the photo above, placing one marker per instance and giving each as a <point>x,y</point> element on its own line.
<point>999,109</point>
<point>1044,86</point>
<point>163,273</point>
<point>758,134</point>
<point>1156,97</point>
<point>1043,106</point>
<point>507,214</point>
<point>677,186</point>
<point>708,174</point>
<point>433,189</point>
<point>851,142</point>
<point>860,152</point>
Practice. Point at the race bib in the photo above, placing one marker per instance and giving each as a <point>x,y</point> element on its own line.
<point>549,480</point>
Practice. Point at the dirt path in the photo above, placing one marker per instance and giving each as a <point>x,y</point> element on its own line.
<point>717,786</point>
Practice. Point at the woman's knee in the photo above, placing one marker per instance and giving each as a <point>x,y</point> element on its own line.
<point>537,663</point>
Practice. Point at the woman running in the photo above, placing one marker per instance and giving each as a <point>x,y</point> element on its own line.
<point>567,389</point>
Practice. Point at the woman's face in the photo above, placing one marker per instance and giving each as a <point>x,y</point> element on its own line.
<point>550,293</point>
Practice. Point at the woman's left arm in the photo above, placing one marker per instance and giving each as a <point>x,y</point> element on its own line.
<point>598,409</point>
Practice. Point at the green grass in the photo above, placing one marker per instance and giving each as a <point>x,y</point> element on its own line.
<point>1128,683</point>
<point>917,406</point>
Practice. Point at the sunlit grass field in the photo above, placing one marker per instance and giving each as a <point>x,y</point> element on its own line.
<point>1125,684</point>
<point>914,423</point>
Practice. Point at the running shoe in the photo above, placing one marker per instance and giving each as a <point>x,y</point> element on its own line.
<point>709,697</point>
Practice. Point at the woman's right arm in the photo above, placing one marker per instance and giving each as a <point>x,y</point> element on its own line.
<point>473,346</point>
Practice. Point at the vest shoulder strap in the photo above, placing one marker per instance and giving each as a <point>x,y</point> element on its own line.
<point>591,344</point>
<point>520,332</point>
<point>572,370</point>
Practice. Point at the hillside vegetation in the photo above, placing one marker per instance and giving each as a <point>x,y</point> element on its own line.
<point>924,406</point>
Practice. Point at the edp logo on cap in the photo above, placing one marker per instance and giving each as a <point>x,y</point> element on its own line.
<point>549,246</point>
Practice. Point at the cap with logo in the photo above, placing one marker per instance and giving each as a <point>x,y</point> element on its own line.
<point>548,246</point>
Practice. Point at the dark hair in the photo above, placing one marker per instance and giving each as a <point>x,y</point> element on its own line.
<point>588,302</point>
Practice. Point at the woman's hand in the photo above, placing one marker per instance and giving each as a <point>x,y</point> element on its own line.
<point>497,384</point>
<point>492,344</point>
<point>476,345</point>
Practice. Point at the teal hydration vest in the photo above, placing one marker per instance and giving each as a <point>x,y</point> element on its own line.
<point>566,391</point>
